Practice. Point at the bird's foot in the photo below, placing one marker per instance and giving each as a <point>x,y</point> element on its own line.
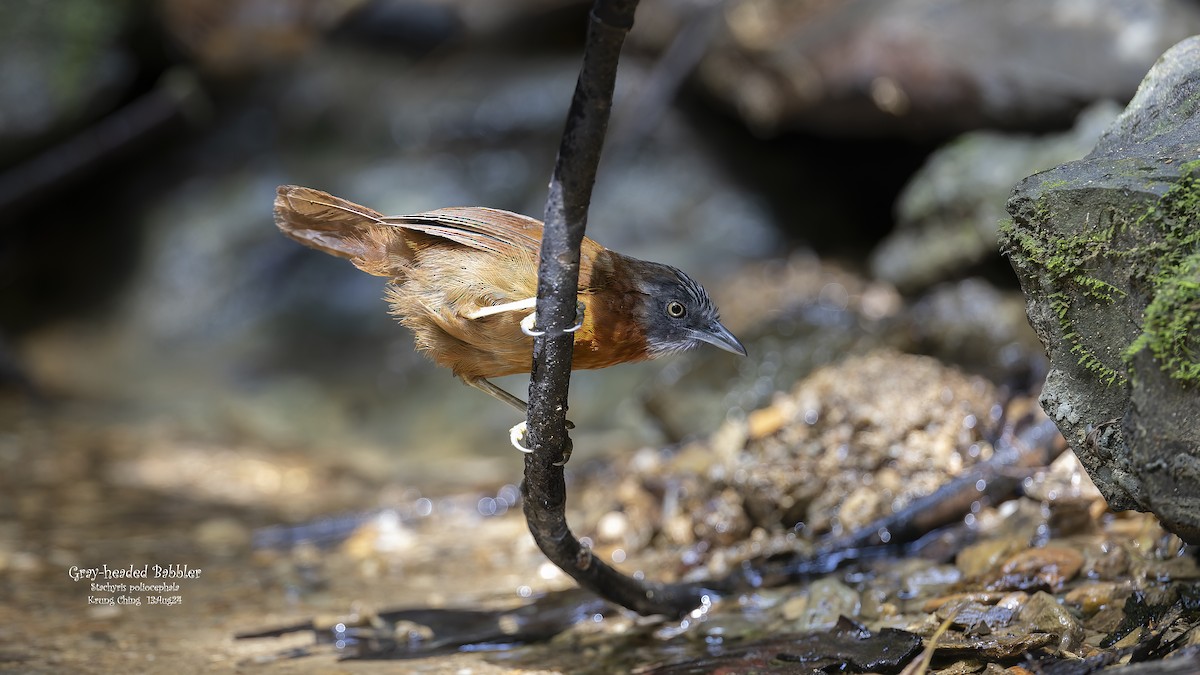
<point>516,436</point>
<point>527,324</point>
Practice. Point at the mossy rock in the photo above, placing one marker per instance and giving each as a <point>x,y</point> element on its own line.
<point>1108,252</point>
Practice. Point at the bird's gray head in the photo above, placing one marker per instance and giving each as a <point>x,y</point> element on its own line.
<point>679,315</point>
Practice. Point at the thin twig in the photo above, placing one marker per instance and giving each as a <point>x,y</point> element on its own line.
<point>920,666</point>
<point>558,280</point>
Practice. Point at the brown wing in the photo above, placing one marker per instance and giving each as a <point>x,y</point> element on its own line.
<point>495,231</point>
<point>504,233</point>
<point>491,230</point>
<point>375,243</point>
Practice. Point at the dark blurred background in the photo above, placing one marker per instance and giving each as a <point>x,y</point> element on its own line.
<point>142,282</point>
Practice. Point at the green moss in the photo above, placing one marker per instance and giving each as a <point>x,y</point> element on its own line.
<point>1067,262</point>
<point>1171,324</point>
<point>1055,184</point>
<point>1061,306</point>
<point>1158,250</point>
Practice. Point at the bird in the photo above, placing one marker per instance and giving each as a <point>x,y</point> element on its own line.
<point>464,281</point>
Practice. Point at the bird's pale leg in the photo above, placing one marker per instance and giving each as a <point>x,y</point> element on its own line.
<point>482,384</point>
<point>517,434</point>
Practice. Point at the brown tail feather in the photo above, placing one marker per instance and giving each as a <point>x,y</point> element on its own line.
<point>341,228</point>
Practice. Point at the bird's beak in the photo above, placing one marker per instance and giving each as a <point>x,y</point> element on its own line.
<point>718,335</point>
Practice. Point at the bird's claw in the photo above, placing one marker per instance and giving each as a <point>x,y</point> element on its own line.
<point>527,324</point>
<point>516,436</point>
<point>580,311</point>
<point>565,456</point>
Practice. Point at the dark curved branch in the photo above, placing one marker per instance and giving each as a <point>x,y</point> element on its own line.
<point>558,281</point>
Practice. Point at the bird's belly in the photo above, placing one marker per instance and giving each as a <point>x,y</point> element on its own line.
<point>490,346</point>
<point>444,288</point>
<point>495,345</point>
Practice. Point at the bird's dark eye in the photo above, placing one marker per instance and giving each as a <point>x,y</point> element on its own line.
<point>676,309</point>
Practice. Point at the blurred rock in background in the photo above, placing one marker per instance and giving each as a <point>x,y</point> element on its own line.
<point>923,68</point>
<point>946,217</point>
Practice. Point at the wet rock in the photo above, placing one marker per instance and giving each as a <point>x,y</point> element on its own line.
<point>1045,614</point>
<point>919,578</point>
<point>992,647</point>
<point>1049,567</point>
<point>1175,566</point>
<point>1109,562</point>
<point>1094,597</point>
<point>945,604</point>
<point>1104,623</point>
<point>946,217</point>
<point>828,599</point>
<point>922,68</point>
<point>877,606</point>
<point>1069,497</point>
<point>964,667</point>
<point>983,619</point>
<point>982,557</point>
<point>1108,253</point>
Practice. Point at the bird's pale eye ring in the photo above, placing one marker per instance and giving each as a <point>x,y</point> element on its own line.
<point>675,309</point>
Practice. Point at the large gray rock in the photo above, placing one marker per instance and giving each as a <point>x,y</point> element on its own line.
<point>1108,252</point>
<point>923,68</point>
